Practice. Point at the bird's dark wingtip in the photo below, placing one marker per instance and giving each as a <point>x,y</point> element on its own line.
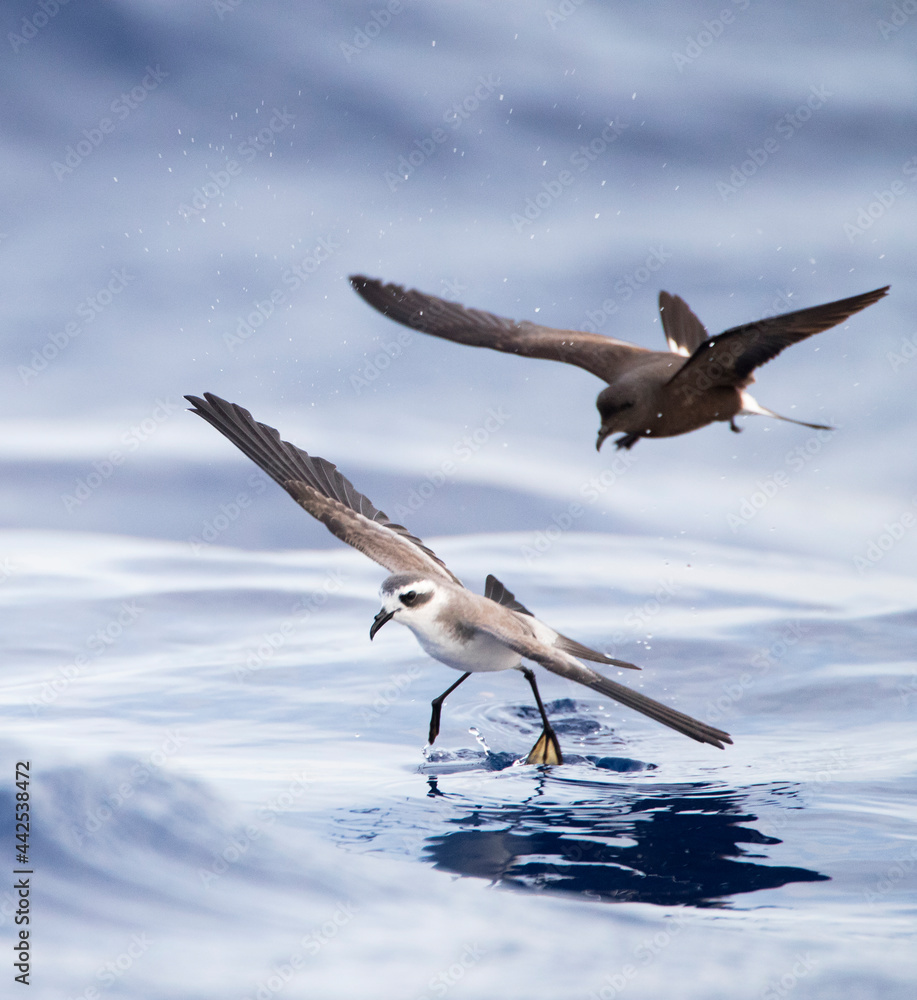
<point>379,295</point>
<point>198,405</point>
<point>875,295</point>
<point>216,410</point>
<point>209,400</point>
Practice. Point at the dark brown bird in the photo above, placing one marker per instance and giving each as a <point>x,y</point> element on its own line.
<point>700,378</point>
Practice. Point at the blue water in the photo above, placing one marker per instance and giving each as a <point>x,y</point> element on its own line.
<point>230,793</point>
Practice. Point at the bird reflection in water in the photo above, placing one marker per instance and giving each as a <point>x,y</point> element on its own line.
<point>686,845</point>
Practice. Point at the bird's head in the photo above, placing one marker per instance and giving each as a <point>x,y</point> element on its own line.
<point>613,414</point>
<point>413,599</point>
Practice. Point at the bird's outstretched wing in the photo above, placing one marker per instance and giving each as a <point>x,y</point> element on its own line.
<point>730,357</point>
<point>557,663</point>
<point>602,356</point>
<point>684,332</point>
<point>316,485</point>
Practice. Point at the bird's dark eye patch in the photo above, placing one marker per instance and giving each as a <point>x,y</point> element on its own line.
<point>414,598</point>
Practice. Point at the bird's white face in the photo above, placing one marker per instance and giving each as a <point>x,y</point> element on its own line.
<point>411,600</point>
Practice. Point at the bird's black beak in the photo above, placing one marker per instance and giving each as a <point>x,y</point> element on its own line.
<point>601,439</point>
<point>379,621</point>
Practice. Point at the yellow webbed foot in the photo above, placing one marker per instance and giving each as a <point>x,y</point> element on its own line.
<point>546,750</point>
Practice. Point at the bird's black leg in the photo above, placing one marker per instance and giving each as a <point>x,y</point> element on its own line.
<point>437,704</point>
<point>627,441</point>
<point>733,427</point>
<point>547,749</point>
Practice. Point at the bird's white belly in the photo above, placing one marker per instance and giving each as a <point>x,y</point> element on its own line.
<point>480,653</point>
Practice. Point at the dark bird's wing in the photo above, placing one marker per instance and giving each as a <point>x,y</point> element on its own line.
<point>316,485</point>
<point>684,332</point>
<point>730,357</point>
<point>529,647</point>
<point>602,356</point>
